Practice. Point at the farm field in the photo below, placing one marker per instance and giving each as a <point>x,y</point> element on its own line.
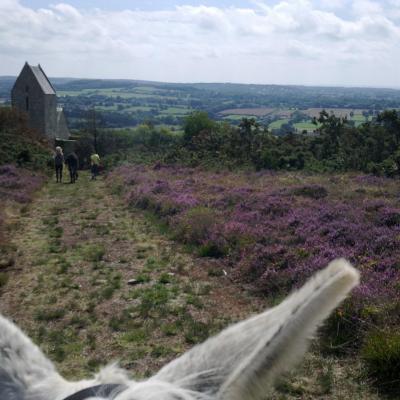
<point>306,126</point>
<point>78,248</point>
<point>278,124</point>
<point>255,112</point>
<point>284,116</point>
<point>233,117</point>
<point>129,103</point>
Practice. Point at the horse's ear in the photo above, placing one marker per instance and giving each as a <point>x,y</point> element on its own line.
<point>23,367</point>
<point>243,361</point>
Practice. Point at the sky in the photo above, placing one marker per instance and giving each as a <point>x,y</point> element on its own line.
<point>302,42</point>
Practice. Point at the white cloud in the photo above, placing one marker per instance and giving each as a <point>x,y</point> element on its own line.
<point>333,4</point>
<point>362,7</point>
<point>293,41</point>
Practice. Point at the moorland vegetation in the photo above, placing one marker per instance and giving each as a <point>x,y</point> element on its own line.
<point>335,146</point>
<point>268,210</point>
<point>281,208</point>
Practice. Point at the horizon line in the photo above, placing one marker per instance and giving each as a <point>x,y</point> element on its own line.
<point>338,86</point>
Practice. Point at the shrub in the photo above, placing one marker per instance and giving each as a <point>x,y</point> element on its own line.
<point>49,314</point>
<point>3,279</point>
<point>93,252</point>
<point>211,249</point>
<point>381,355</point>
<point>312,191</point>
<point>275,238</point>
<point>196,332</point>
<point>195,225</point>
<point>342,331</point>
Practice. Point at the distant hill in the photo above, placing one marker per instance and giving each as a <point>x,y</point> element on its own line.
<point>286,91</point>
<point>126,103</point>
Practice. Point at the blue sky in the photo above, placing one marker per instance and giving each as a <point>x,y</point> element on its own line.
<point>311,42</point>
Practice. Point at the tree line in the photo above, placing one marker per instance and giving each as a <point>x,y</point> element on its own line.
<point>336,145</point>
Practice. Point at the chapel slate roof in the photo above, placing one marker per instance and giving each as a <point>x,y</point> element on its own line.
<point>42,79</point>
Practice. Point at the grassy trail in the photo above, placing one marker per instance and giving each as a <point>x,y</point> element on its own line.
<point>77,248</point>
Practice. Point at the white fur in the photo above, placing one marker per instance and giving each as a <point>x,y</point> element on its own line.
<point>241,362</point>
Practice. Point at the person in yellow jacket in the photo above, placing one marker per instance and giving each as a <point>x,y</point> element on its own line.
<point>95,165</point>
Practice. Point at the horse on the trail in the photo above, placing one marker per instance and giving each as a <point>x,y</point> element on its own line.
<point>240,363</point>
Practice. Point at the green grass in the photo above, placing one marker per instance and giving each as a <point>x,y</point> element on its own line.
<point>305,126</point>
<point>4,277</point>
<point>381,354</point>
<point>49,314</point>
<point>278,124</point>
<point>93,252</point>
<point>359,119</point>
<point>176,111</point>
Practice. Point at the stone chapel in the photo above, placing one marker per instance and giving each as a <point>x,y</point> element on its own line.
<point>34,94</point>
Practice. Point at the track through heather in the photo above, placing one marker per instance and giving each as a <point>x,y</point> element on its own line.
<point>78,246</point>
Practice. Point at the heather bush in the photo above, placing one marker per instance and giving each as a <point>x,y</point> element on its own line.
<point>194,225</point>
<point>313,191</point>
<point>16,185</point>
<point>275,230</point>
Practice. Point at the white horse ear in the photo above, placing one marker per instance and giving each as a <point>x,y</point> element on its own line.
<point>23,367</point>
<point>243,361</point>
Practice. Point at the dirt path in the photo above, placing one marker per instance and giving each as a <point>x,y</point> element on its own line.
<point>78,248</point>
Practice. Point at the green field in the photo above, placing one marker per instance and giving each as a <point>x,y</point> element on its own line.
<point>169,104</point>
<point>138,108</point>
<point>360,119</point>
<point>305,126</point>
<point>176,111</point>
<point>236,117</point>
<point>278,124</point>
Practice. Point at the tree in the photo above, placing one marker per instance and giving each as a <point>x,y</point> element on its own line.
<point>92,126</point>
<point>195,123</point>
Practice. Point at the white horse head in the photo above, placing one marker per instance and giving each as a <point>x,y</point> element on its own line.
<point>241,362</point>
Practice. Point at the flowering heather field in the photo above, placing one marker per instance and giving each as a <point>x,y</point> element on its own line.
<point>274,230</point>
<point>16,185</point>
